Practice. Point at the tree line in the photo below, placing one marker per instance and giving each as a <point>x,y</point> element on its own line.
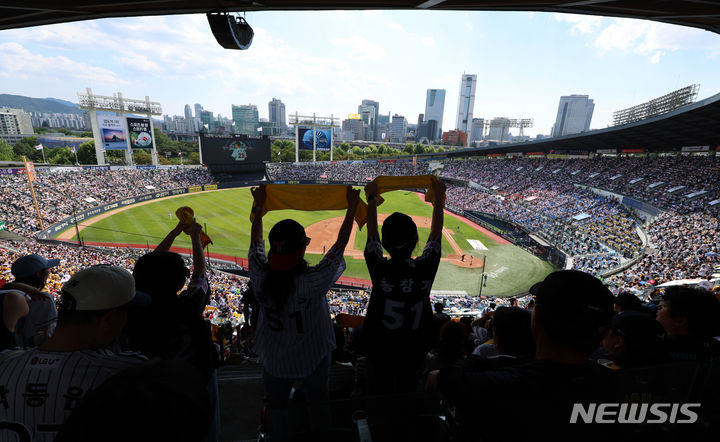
<point>284,151</point>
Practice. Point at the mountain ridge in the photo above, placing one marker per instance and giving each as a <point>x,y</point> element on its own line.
<point>46,105</point>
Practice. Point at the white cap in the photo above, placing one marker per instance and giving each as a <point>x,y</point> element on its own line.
<point>101,287</point>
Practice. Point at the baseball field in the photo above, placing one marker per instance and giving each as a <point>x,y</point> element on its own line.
<point>224,213</point>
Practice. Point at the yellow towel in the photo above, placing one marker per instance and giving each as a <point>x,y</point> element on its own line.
<point>389,183</point>
<point>310,197</point>
<point>186,216</point>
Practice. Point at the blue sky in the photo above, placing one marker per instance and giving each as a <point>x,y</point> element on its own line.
<point>327,62</point>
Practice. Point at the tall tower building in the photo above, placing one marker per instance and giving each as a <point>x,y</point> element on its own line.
<point>276,113</point>
<point>434,109</point>
<point>188,112</point>
<point>466,102</point>
<point>369,111</point>
<point>574,115</point>
<point>198,110</point>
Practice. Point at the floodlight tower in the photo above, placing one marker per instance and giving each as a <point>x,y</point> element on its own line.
<point>507,123</point>
<point>314,122</point>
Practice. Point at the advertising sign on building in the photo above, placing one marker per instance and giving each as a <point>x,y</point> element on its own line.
<point>112,132</point>
<point>140,135</point>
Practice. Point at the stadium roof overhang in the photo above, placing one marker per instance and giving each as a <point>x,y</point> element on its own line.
<point>702,14</point>
<point>692,125</point>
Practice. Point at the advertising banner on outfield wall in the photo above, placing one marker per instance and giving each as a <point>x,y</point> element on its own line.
<point>10,171</point>
<point>112,131</point>
<point>140,137</point>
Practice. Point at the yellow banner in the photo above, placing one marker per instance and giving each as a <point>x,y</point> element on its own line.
<point>210,187</point>
<point>194,189</point>
<point>354,117</point>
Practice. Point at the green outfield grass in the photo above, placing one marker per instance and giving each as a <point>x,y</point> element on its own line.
<point>225,213</point>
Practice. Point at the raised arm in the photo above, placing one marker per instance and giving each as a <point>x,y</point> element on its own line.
<point>353,196</point>
<point>199,264</point>
<point>371,195</point>
<point>167,242</point>
<point>256,232</point>
<point>438,208</point>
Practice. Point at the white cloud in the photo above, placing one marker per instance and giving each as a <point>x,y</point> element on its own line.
<point>655,59</point>
<point>27,64</point>
<point>396,26</point>
<point>359,47</point>
<point>582,24</point>
<point>643,37</point>
<point>428,41</point>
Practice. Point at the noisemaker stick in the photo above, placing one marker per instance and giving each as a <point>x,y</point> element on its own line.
<point>187,217</point>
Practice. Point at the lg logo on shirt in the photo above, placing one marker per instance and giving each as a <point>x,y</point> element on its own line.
<point>659,413</point>
<point>44,362</point>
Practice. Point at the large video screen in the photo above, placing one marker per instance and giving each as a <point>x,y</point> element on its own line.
<point>323,138</point>
<point>234,149</point>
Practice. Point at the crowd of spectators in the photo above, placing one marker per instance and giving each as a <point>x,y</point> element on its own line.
<point>61,193</point>
<point>529,357</point>
<point>542,196</point>
<point>358,172</point>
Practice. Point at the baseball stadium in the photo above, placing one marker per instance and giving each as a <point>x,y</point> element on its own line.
<point>568,272</point>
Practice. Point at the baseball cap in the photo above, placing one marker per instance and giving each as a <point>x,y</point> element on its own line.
<point>30,264</point>
<point>575,295</point>
<point>101,287</point>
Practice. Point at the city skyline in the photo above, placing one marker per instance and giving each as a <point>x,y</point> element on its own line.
<point>543,56</point>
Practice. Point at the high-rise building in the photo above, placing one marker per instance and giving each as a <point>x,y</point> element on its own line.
<point>355,127</point>
<point>574,115</point>
<point>369,111</point>
<point>276,113</point>
<point>246,119</point>
<point>207,120</point>
<point>198,110</point>
<point>477,131</point>
<point>466,102</point>
<point>188,112</point>
<point>398,128</point>
<point>15,122</point>
<point>434,109</point>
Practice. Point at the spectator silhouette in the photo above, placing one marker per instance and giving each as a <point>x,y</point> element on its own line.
<point>691,319</point>
<point>399,323</point>
<point>31,274</point>
<point>153,401</point>
<point>182,333</point>
<point>635,340</point>
<point>572,312</point>
<point>294,335</point>
<point>41,386</point>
